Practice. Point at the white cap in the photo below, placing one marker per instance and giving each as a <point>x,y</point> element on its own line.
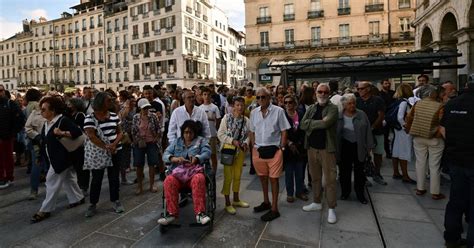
<point>143,103</point>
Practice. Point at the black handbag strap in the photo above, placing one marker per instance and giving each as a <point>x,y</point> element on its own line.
<point>241,127</point>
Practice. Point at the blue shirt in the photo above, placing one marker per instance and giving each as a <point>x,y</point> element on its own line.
<point>199,148</point>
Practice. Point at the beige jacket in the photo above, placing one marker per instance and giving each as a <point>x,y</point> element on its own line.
<point>222,132</point>
<point>34,124</point>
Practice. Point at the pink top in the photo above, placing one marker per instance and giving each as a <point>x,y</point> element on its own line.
<point>296,121</point>
<point>144,132</point>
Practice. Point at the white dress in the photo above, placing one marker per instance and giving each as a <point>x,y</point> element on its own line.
<point>403,143</point>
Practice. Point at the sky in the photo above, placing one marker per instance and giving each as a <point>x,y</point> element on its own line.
<point>12,12</point>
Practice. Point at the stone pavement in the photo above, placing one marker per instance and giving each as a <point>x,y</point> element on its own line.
<point>395,217</point>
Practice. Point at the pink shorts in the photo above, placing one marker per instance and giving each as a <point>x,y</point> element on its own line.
<point>268,167</point>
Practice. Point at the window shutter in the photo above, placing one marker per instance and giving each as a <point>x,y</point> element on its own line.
<point>174,43</point>
<point>140,48</point>
<point>173,21</point>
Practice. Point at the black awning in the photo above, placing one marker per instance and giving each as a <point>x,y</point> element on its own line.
<point>383,66</point>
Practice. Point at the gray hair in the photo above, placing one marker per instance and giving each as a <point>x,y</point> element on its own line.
<point>324,85</point>
<point>99,101</point>
<point>425,91</point>
<point>263,90</point>
<point>347,98</point>
<point>77,104</point>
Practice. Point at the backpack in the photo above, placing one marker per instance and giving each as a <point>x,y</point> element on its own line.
<point>391,115</point>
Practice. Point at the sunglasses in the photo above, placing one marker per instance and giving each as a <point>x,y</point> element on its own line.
<point>362,88</point>
<point>323,92</point>
<point>261,97</point>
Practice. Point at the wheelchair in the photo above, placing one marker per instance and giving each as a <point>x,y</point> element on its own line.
<point>185,194</point>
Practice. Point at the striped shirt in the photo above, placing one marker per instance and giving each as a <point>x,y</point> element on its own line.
<point>108,127</point>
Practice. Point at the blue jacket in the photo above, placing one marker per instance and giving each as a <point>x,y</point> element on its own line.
<point>199,148</point>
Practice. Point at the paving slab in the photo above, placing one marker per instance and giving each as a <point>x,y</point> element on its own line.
<point>407,234</point>
<point>264,243</point>
<point>402,207</point>
<point>99,240</point>
<point>338,238</point>
<point>393,186</point>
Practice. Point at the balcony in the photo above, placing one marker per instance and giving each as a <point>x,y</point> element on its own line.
<point>157,53</point>
<point>156,12</point>
<point>373,7</point>
<point>125,79</point>
<point>157,32</point>
<point>205,18</point>
<point>84,28</point>
<point>101,61</point>
<point>101,42</point>
<point>145,15</point>
<point>125,46</point>
<point>37,66</point>
<point>117,64</point>
<point>37,50</point>
<point>86,83</point>
<point>77,46</point>
<point>117,47</point>
<point>63,64</point>
<point>117,29</point>
<point>63,47</point>
<point>328,43</point>
<point>84,44</point>
<point>70,47</point>
<point>205,36</point>
<point>264,20</point>
<point>109,49</point>
<point>69,31</point>
<point>315,14</point>
<point>78,64</point>
<point>43,33</point>
<point>197,13</point>
<point>125,27</point>
<point>91,26</point>
<point>84,63</point>
<point>135,36</point>
<point>100,24</point>
<point>169,30</point>
<point>109,80</point>
<point>109,66</point>
<point>44,65</point>
<point>189,9</point>
<point>344,11</point>
<point>92,43</point>
<point>134,18</point>
<point>109,30</point>
<point>92,62</point>
<point>117,80</point>
<point>169,52</point>
<point>63,32</point>
<point>76,30</point>
<point>169,8</point>
<point>125,64</point>
<point>147,34</point>
<point>71,64</point>
<point>289,17</point>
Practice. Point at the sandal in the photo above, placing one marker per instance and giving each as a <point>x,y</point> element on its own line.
<point>40,216</point>
<point>437,196</point>
<point>409,181</point>
<point>420,192</point>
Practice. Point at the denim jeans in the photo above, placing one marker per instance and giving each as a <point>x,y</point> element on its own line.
<point>461,194</point>
<point>294,176</point>
<point>36,168</point>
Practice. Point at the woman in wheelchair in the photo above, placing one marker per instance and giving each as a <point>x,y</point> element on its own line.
<point>186,155</point>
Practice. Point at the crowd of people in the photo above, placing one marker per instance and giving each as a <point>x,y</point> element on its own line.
<point>317,134</point>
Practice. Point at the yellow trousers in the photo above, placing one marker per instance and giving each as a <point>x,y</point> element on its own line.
<point>232,174</point>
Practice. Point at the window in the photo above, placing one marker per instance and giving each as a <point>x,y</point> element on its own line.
<point>289,37</point>
<point>315,34</point>
<point>315,5</point>
<point>403,4</point>
<point>343,3</point>
<point>344,31</point>
<point>92,21</point>
<point>289,9</point>
<point>404,24</point>
<point>372,2</point>
<point>264,38</point>
<point>168,3</point>
<point>83,23</point>
<point>264,12</point>
<point>117,24</point>
<point>374,28</point>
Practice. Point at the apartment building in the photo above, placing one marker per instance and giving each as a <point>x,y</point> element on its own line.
<point>290,29</point>
<point>8,54</point>
<point>220,53</point>
<point>170,42</point>
<point>447,24</point>
<point>237,62</point>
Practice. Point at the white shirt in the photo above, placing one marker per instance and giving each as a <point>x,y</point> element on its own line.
<point>412,100</point>
<point>88,106</point>
<point>336,100</point>
<point>268,130</point>
<point>213,113</point>
<point>180,115</point>
<point>163,118</point>
<point>48,125</point>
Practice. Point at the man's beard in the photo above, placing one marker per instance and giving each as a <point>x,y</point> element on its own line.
<point>322,100</point>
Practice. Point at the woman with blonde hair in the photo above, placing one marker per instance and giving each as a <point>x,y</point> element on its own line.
<point>403,142</point>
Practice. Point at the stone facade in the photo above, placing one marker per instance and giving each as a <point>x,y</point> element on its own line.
<point>447,24</point>
<point>8,63</point>
<point>290,29</point>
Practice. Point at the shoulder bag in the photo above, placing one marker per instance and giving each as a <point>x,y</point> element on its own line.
<point>229,151</point>
<point>72,144</point>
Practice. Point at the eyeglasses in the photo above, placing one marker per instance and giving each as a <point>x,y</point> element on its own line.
<point>289,102</point>
<point>323,92</point>
<point>260,97</point>
<point>362,88</point>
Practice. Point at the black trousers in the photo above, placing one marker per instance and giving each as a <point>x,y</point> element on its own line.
<point>350,159</point>
<point>83,176</point>
<point>113,174</point>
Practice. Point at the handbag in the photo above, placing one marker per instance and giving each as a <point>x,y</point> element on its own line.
<point>96,158</point>
<point>267,152</point>
<point>229,151</point>
<point>369,166</point>
<point>184,172</point>
<point>72,144</point>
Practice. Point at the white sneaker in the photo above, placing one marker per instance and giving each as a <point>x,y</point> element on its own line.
<point>312,207</point>
<point>332,216</point>
<point>202,219</point>
<point>166,220</point>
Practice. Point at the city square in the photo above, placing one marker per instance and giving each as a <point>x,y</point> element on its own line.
<point>251,123</point>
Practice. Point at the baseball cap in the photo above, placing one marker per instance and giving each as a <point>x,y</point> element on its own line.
<point>143,103</point>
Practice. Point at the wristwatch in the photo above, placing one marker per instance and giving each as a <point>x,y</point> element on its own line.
<point>282,148</point>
